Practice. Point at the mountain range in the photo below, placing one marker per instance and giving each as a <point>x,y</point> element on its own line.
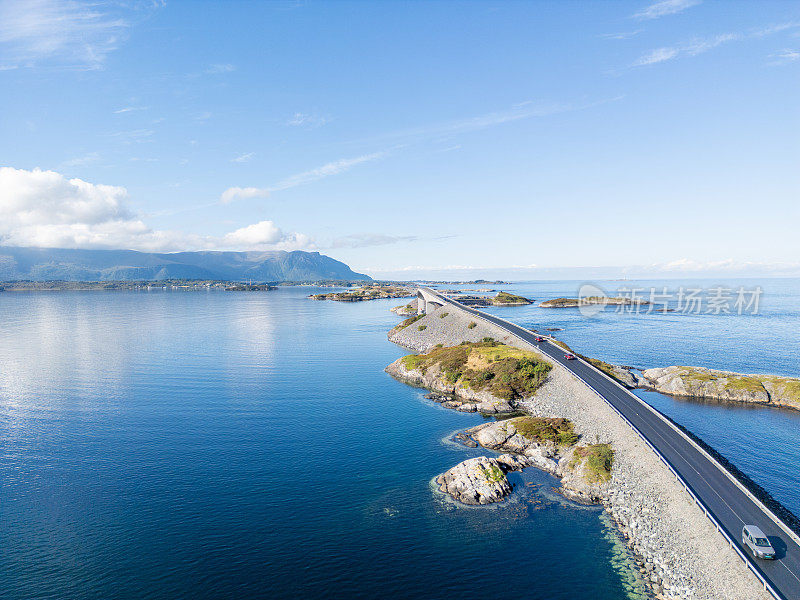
<point>46,264</point>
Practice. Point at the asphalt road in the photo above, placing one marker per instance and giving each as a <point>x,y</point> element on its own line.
<point>728,503</point>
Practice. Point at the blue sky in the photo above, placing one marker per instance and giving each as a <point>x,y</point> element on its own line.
<point>409,139</point>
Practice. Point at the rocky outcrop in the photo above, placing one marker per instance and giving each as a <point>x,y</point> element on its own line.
<point>406,310</point>
<point>503,436</point>
<point>449,394</point>
<point>367,292</point>
<point>486,377</point>
<point>506,299</point>
<point>475,481</point>
<point>578,481</point>
<point>699,382</point>
<point>590,301</point>
<point>625,376</point>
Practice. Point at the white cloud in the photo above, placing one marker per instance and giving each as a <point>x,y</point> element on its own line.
<point>662,8</point>
<point>239,193</point>
<point>701,45</point>
<point>305,120</point>
<point>243,158</point>
<point>80,161</point>
<point>44,208</point>
<point>218,68</point>
<point>364,240</point>
<point>257,234</point>
<point>527,109</point>
<point>693,48</point>
<point>785,56</point>
<point>326,170</point>
<point>62,32</point>
<point>128,109</point>
<point>133,136</point>
<point>656,56</point>
<point>625,35</point>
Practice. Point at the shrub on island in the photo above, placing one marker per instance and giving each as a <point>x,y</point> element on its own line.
<point>503,371</point>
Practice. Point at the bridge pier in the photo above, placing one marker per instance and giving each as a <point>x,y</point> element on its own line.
<point>427,302</point>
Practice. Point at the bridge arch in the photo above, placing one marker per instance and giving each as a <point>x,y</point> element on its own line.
<point>427,302</point>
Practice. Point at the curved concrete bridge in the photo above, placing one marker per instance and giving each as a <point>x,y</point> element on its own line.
<point>427,301</point>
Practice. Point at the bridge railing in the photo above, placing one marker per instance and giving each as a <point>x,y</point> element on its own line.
<point>686,486</point>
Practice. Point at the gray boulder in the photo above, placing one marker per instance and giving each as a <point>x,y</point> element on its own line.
<point>476,481</point>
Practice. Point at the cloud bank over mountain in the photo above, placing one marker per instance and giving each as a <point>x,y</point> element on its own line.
<point>46,209</point>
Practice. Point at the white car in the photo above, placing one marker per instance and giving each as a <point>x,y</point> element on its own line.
<point>756,540</point>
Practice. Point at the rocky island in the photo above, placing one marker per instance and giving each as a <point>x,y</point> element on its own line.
<point>506,299</point>
<point>487,376</point>
<point>705,384</point>
<point>405,310</point>
<point>367,292</point>
<point>589,301</point>
<point>500,299</point>
<point>548,444</point>
<point>710,384</point>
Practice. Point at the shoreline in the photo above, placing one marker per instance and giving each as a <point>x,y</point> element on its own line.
<point>659,522</point>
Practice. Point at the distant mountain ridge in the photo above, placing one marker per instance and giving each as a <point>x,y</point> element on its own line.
<point>44,264</point>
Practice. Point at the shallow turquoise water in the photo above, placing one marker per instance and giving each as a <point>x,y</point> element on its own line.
<point>213,445</point>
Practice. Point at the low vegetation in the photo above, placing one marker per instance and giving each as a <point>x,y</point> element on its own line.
<point>493,474</point>
<point>501,370</point>
<point>562,345</point>
<point>409,321</point>
<point>575,302</point>
<point>443,315</point>
<point>787,387</point>
<point>472,325</point>
<point>599,458</point>
<point>605,367</point>
<point>422,327</point>
<point>367,292</point>
<point>558,431</point>
<point>506,298</point>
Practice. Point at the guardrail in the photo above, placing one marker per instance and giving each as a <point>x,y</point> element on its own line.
<point>686,486</point>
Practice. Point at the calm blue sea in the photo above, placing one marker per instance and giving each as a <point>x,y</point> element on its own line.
<point>249,445</point>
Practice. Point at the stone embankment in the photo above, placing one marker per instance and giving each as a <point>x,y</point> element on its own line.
<point>682,553</point>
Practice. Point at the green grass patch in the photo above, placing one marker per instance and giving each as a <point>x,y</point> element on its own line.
<point>503,371</point>
<point>599,460</point>
<point>413,361</point>
<point>422,327</point>
<point>493,474</point>
<point>443,315</point>
<point>472,325</point>
<point>409,321</point>
<point>787,389</point>
<point>559,431</point>
<point>506,298</point>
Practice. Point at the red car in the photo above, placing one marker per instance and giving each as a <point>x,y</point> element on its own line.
<point>539,339</point>
<point>569,356</point>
